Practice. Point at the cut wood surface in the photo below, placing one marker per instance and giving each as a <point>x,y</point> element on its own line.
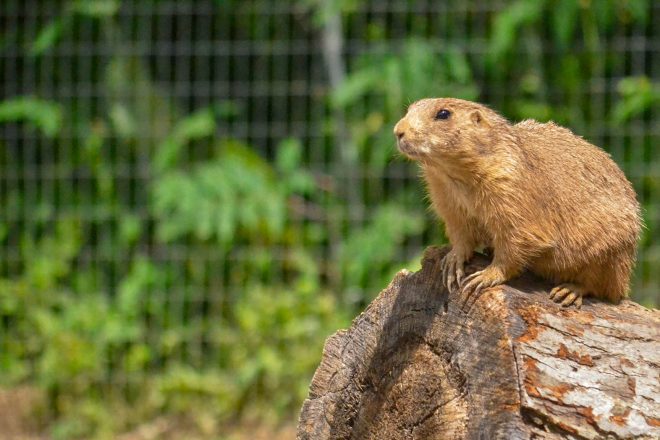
<point>420,363</point>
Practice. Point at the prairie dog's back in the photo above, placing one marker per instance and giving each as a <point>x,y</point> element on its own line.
<point>578,170</point>
<point>591,195</point>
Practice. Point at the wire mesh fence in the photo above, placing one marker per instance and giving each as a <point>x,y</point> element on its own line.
<point>196,192</point>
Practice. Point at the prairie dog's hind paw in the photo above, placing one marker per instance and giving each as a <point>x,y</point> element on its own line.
<point>452,266</point>
<point>567,294</point>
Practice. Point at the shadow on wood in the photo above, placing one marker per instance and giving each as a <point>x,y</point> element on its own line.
<point>419,363</point>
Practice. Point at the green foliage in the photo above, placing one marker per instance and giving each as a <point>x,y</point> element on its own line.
<point>234,196</point>
<point>27,302</point>
<point>271,351</point>
<point>514,25</point>
<point>508,25</point>
<point>269,348</point>
<point>191,275</point>
<point>51,34</point>
<point>366,258</point>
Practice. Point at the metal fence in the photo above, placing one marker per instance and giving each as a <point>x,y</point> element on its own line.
<point>95,94</point>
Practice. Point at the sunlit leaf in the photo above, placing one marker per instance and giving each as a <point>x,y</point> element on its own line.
<point>122,120</point>
<point>288,155</point>
<point>44,115</point>
<point>508,24</point>
<point>198,125</point>
<point>355,87</point>
<point>48,36</point>
<point>638,94</point>
<point>639,10</point>
<point>458,66</point>
<point>130,228</point>
<point>96,8</point>
<point>142,275</point>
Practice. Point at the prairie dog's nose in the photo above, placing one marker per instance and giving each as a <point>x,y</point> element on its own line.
<point>400,128</point>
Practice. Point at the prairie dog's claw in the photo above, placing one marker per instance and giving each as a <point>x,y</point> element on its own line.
<point>568,294</point>
<point>489,277</point>
<point>453,271</point>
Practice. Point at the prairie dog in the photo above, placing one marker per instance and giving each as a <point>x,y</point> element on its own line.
<point>541,197</point>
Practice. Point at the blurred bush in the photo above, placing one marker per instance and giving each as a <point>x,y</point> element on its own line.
<point>193,275</point>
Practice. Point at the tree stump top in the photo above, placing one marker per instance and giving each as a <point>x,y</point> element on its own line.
<point>420,363</point>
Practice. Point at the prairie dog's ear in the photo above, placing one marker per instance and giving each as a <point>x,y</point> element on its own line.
<point>478,118</point>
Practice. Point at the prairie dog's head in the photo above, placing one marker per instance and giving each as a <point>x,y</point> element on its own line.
<point>445,128</point>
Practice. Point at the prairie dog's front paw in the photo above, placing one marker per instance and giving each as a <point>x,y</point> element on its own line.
<point>452,266</point>
<point>489,277</point>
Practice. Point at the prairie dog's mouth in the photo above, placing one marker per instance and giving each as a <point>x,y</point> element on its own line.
<point>407,149</point>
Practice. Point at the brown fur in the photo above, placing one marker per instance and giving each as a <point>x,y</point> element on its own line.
<point>543,198</point>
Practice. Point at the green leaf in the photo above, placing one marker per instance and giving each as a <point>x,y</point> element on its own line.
<point>48,36</point>
<point>226,109</point>
<point>565,15</point>
<point>44,115</point>
<point>195,126</point>
<point>325,10</point>
<point>639,10</point>
<point>96,8</point>
<point>508,24</point>
<point>458,66</point>
<point>289,155</point>
<point>122,120</point>
<point>355,86</point>
<point>50,258</point>
<point>143,276</point>
<point>638,94</point>
<point>603,12</point>
<point>130,228</point>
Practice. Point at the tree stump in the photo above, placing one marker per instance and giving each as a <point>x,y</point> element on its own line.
<point>420,363</point>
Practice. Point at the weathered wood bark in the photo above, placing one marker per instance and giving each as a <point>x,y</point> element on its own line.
<point>420,363</point>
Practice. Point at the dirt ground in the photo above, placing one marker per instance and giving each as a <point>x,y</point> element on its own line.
<point>168,430</point>
<point>20,410</point>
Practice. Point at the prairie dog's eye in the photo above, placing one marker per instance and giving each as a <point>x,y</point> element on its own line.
<point>442,114</point>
